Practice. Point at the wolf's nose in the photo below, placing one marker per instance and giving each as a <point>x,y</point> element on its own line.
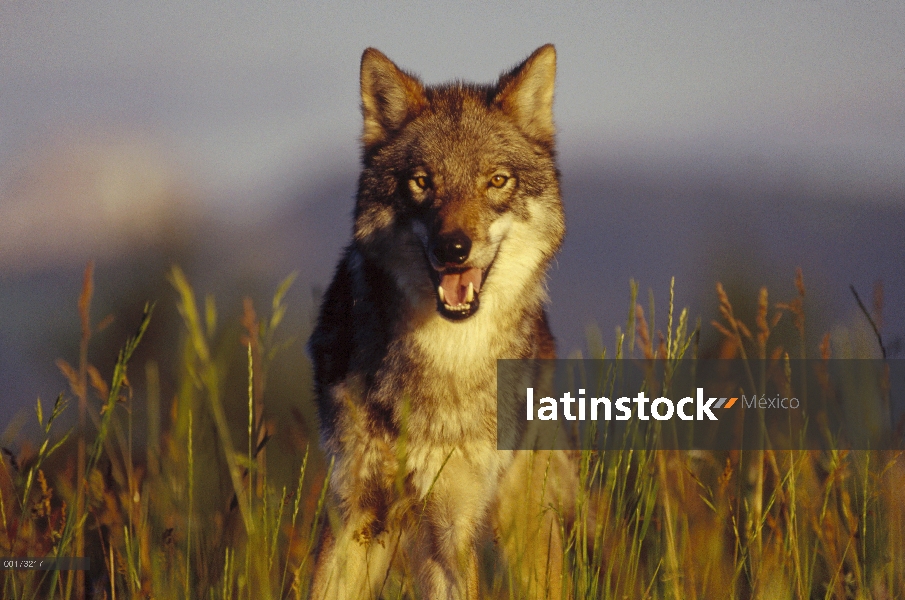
<point>453,249</point>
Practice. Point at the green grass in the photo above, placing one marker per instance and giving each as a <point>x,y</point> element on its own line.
<point>198,510</point>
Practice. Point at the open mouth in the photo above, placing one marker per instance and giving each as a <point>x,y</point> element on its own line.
<point>458,291</point>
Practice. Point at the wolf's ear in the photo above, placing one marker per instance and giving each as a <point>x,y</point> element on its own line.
<point>526,94</point>
<point>389,97</point>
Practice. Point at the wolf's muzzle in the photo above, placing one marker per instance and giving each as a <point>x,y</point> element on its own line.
<point>457,286</point>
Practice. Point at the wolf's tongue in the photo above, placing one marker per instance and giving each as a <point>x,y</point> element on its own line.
<point>455,285</point>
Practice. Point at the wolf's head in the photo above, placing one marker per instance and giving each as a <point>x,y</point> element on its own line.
<point>459,197</point>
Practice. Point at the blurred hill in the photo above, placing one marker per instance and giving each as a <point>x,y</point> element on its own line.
<point>626,219</point>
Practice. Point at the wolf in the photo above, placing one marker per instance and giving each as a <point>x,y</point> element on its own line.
<point>457,219</point>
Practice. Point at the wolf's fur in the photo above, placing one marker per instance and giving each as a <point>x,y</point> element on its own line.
<point>459,187</point>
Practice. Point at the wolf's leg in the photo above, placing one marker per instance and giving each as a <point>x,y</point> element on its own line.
<point>351,565</point>
<point>538,490</point>
<point>447,529</point>
<point>437,582</point>
<point>446,570</point>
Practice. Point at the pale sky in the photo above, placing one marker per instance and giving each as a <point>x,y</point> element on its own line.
<point>241,94</point>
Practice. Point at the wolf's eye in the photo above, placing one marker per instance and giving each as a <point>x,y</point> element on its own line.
<point>498,181</point>
<point>421,182</point>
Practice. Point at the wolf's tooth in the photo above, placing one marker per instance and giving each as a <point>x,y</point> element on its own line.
<point>441,293</point>
<point>469,294</point>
